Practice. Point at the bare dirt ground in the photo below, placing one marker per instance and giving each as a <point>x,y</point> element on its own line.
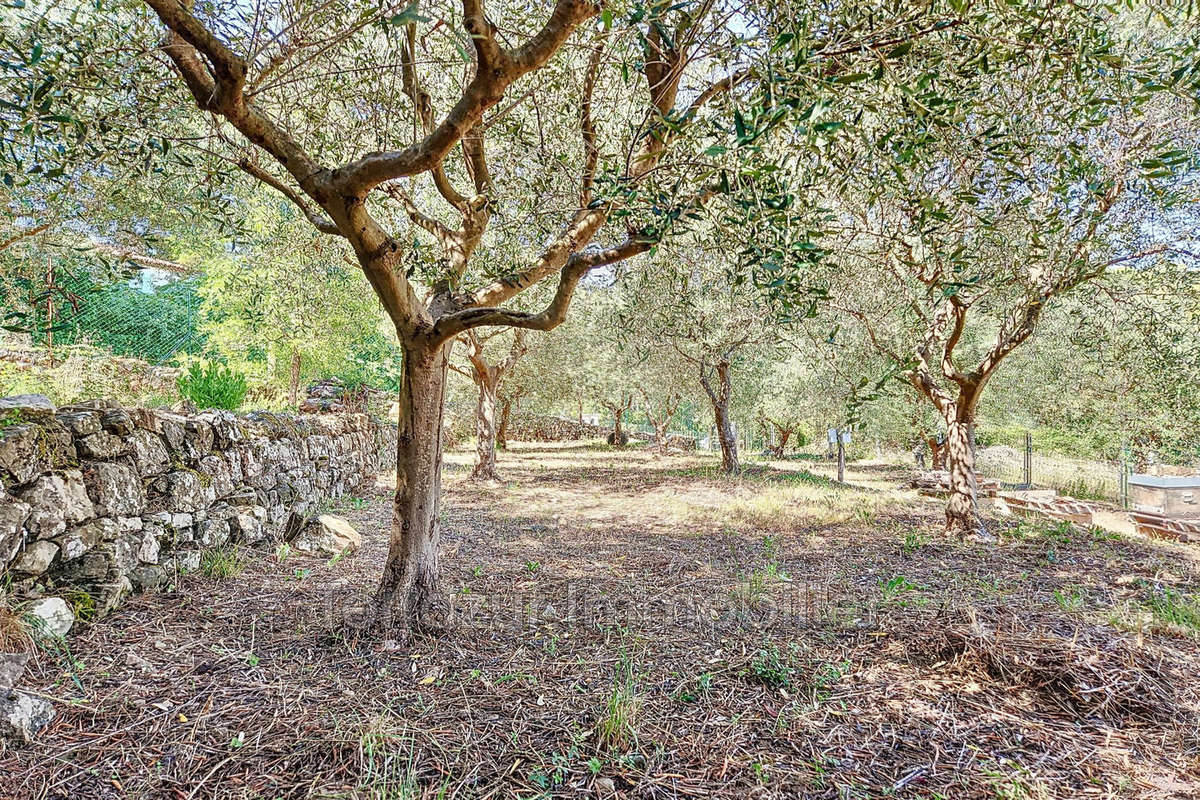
<point>630,626</point>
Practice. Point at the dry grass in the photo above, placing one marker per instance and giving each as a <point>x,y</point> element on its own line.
<point>645,628</point>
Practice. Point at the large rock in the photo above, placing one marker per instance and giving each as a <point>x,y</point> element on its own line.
<point>79,423</point>
<point>57,500</point>
<point>82,538</point>
<point>115,489</point>
<point>50,616</point>
<point>23,453</point>
<point>184,491</point>
<point>101,446</point>
<point>27,406</point>
<point>23,715</point>
<point>12,665</point>
<point>328,536</point>
<point>36,558</point>
<point>149,453</point>
<point>13,513</point>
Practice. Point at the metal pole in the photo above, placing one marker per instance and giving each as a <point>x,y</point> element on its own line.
<point>841,459</point>
<point>1028,472</point>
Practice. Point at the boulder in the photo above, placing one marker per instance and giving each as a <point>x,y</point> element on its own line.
<point>12,665</point>
<point>148,577</point>
<point>23,453</point>
<point>13,513</point>
<point>28,406</point>
<point>184,491</point>
<point>36,558</point>
<point>149,453</point>
<point>23,716</point>
<point>57,501</point>
<point>329,535</point>
<point>50,616</point>
<point>82,538</point>
<point>79,423</point>
<point>101,446</point>
<point>115,489</point>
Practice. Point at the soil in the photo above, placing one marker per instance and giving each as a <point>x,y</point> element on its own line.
<point>643,627</point>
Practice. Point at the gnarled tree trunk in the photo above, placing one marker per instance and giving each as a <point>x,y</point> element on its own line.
<point>962,509</point>
<point>485,429</point>
<point>506,406</point>
<point>408,597</point>
<point>720,395</point>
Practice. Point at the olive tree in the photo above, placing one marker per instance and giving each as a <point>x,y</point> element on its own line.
<point>617,126</point>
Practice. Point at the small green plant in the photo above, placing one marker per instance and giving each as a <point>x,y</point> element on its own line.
<point>826,675</point>
<point>895,587</point>
<point>618,726</point>
<point>213,386</point>
<point>282,551</point>
<point>1173,608</point>
<point>770,548</point>
<point>761,772</point>
<point>913,541</point>
<point>533,566</point>
<point>773,667</point>
<point>222,562</point>
<point>252,660</point>
<point>477,571</point>
<point>14,417</point>
<point>1069,598</point>
<point>692,691</point>
<point>594,765</point>
<point>749,595</point>
<point>83,605</point>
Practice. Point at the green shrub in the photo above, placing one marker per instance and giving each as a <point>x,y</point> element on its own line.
<point>213,386</point>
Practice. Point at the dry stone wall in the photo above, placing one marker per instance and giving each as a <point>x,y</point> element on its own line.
<point>104,500</point>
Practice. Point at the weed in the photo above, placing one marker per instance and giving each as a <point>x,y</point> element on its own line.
<point>773,667</point>
<point>386,769</point>
<point>1172,608</point>
<point>749,595</point>
<point>617,729</point>
<point>223,562</point>
<point>692,691</point>
<point>894,589</point>
<point>533,566</point>
<point>83,605</point>
<point>282,551</point>
<point>477,571</point>
<point>824,677</point>
<point>770,548</point>
<point>761,772</point>
<point>913,541</point>
<point>1069,598</point>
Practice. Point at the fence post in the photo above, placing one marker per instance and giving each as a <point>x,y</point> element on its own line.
<point>1123,477</point>
<point>1027,473</point>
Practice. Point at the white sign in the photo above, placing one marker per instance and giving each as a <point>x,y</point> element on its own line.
<point>845,437</point>
<point>833,435</point>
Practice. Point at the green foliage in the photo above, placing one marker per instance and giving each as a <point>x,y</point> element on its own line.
<point>154,326</point>
<point>213,386</point>
<point>223,562</point>
<point>774,667</point>
<point>617,728</point>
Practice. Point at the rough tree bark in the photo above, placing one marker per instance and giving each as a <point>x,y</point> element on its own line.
<point>661,421</point>
<point>408,595</point>
<point>784,431</point>
<point>488,379</point>
<point>618,437</point>
<point>294,379</point>
<point>720,396</point>
<point>507,402</point>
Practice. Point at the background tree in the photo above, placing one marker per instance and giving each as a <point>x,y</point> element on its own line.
<point>488,370</point>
